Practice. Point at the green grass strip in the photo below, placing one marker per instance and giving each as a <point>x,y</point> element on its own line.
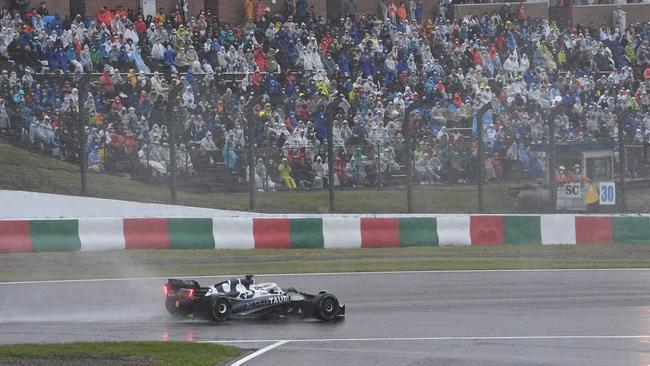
<point>154,353</point>
<point>145,263</point>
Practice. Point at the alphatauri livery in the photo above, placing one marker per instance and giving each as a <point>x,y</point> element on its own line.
<point>242,297</point>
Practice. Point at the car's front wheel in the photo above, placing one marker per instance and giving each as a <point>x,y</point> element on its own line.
<point>326,307</point>
<point>220,308</point>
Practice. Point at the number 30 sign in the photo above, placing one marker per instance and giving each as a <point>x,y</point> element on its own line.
<point>607,193</point>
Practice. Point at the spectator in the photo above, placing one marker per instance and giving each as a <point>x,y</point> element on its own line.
<point>576,175</point>
<point>42,10</point>
<point>4,117</point>
<point>249,10</point>
<point>285,174</point>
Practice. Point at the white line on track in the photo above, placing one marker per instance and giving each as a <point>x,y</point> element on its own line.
<point>411,339</point>
<point>257,353</point>
<point>331,274</point>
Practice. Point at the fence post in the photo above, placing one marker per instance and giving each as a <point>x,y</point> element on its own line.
<point>378,150</point>
<point>186,153</point>
<point>481,154</point>
<point>329,116</point>
<point>251,170</point>
<point>250,144</point>
<point>621,156</point>
<point>409,167</point>
<point>406,131</point>
<point>83,156</point>
<point>265,183</point>
<point>148,150</point>
<point>171,125</point>
<point>552,184</point>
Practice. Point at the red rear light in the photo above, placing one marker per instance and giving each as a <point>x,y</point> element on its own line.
<point>191,293</point>
<point>165,290</point>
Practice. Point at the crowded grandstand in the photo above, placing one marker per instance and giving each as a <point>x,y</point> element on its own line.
<point>108,80</point>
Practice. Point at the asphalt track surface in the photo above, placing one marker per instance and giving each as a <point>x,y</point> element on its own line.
<point>546,317</point>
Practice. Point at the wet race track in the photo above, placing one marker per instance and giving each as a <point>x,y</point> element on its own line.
<point>426,318</point>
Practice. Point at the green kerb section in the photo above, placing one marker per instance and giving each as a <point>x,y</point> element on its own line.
<point>522,230</point>
<point>190,233</point>
<point>631,230</point>
<point>418,232</point>
<point>307,233</point>
<point>55,235</point>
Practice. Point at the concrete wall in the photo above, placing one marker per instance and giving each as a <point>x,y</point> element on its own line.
<point>330,231</point>
<point>93,7</point>
<point>597,15</point>
<point>32,205</point>
<point>62,7</point>
<point>370,7</point>
<point>535,9</point>
<point>232,11</point>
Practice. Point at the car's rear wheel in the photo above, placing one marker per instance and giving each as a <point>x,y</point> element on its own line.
<point>170,305</point>
<point>326,307</point>
<point>220,309</point>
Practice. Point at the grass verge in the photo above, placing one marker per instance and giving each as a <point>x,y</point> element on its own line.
<point>125,353</point>
<point>148,263</point>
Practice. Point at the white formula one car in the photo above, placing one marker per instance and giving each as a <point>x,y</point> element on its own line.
<point>242,297</point>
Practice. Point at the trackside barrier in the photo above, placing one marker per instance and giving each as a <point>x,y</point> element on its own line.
<point>96,234</point>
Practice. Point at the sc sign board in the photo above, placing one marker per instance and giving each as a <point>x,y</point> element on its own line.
<point>572,190</point>
<point>607,193</point>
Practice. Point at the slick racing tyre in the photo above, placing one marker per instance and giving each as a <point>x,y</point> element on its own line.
<point>170,305</point>
<point>220,309</point>
<point>326,307</point>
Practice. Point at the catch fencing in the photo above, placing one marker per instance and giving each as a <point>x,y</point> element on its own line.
<point>411,162</point>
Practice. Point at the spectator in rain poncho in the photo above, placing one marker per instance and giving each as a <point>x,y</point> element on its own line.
<point>188,98</point>
<point>42,133</point>
<point>4,117</point>
<point>139,61</point>
<point>321,174</point>
<point>157,158</point>
<point>208,147</point>
<point>285,174</point>
<point>262,181</point>
<point>184,161</point>
<point>229,154</point>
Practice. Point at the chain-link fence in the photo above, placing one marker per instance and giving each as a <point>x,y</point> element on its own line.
<point>428,164</point>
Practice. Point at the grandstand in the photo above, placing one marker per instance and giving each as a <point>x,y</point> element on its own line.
<point>224,93</point>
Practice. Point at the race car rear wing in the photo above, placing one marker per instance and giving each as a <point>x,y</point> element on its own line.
<point>188,288</point>
<point>174,283</point>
